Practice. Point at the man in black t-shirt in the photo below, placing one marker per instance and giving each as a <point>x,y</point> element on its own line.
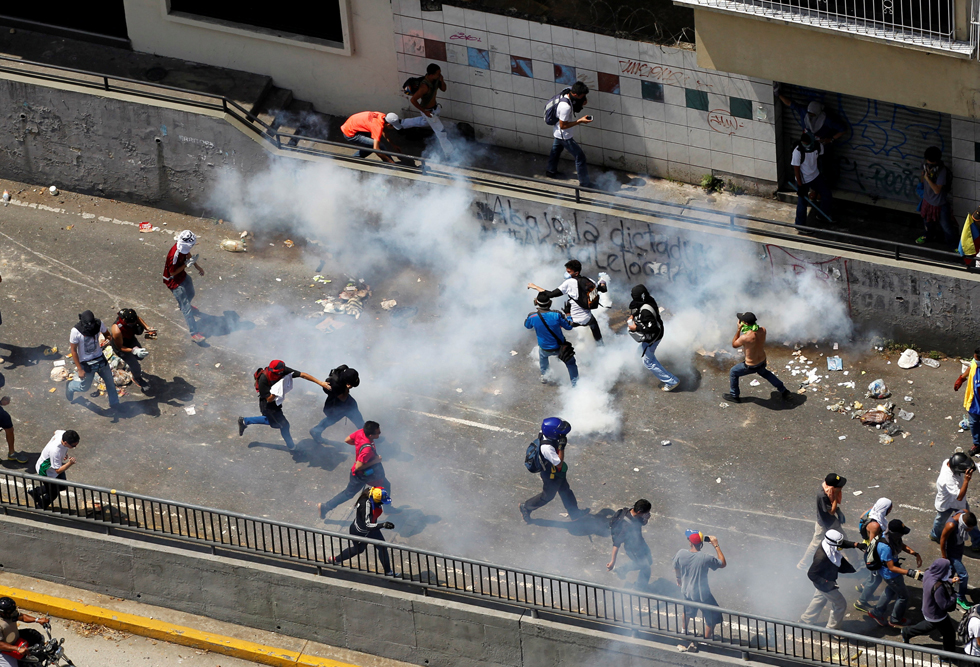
<point>339,403</point>
<point>829,515</point>
<point>626,528</point>
<point>271,397</point>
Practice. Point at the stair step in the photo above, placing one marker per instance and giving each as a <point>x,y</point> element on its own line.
<point>294,118</point>
<point>274,103</point>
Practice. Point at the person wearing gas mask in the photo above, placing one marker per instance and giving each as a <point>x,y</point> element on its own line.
<point>626,529</point>
<point>934,207</point>
<point>15,642</point>
<point>810,185</point>
<point>828,562</point>
<point>952,543</point>
<point>954,479</point>
<point>570,103</point>
<point>123,333</point>
<point>339,403</point>
<point>691,567</point>
<point>175,277</point>
<point>367,510</point>
<point>86,351</point>
<point>554,470</point>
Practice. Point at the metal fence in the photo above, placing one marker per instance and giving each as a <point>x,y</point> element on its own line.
<point>417,568</point>
<point>518,185</point>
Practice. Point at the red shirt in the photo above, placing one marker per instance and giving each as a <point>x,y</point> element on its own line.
<point>174,261</point>
<point>365,449</point>
<point>369,122</point>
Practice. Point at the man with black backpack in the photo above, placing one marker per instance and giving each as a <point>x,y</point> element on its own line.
<point>339,403</point>
<point>647,328</point>
<point>882,555</point>
<point>546,455</point>
<point>547,324</point>
<point>583,296</point>
<point>272,383</point>
<point>626,528</point>
<point>422,93</point>
<point>810,185</point>
<point>560,112</point>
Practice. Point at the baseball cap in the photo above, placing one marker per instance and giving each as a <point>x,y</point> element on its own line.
<point>896,526</point>
<point>694,536</point>
<point>393,120</point>
<point>834,480</point>
<point>976,214</point>
<point>747,317</point>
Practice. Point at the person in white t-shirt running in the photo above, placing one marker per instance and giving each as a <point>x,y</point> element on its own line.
<point>810,184</point>
<point>569,105</point>
<point>577,305</point>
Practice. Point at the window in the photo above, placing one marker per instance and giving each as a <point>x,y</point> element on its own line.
<point>696,99</point>
<point>652,91</point>
<point>740,108</point>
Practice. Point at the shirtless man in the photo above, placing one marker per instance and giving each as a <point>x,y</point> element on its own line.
<point>752,339</point>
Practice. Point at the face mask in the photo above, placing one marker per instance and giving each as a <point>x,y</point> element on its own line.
<point>567,275</point>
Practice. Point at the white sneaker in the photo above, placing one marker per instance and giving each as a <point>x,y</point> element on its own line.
<point>670,387</point>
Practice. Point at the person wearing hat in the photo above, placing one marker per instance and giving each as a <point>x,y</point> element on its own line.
<point>752,339</point>
<point>272,383</point>
<point>938,599</point>
<point>367,510</point>
<point>339,403</point>
<point>810,185</point>
<point>691,567</point>
<point>548,325</point>
<point>86,352</point>
<point>7,424</point>
<point>180,284</point>
<point>888,549</point>
<point>11,646</point>
<point>830,516</point>
<point>970,238</point>
<point>370,128</point>
<point>647,328</point>
<point>828,563</point>
<point>814,118</point>
<point>552,440</point>
<point>123,333</point>
<point>952,484</point>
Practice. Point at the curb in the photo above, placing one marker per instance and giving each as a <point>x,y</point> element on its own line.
<point>163,631</point>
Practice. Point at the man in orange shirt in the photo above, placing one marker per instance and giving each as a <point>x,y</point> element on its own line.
<point>369,128</point>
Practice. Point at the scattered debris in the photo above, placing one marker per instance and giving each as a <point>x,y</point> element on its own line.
<point>885,439</point>
<point>513,353</point>
<point>53,190</point>
<point>842,437</point>
<point>665,443</point>
<point>233,245</point>
<point>243,235</point>
<point>909,359</point>
<point>908,399</point>
<point>931,363</point>
<point>147,227</point>
<point>754,383</point>
<point>878,389</point>
<point>349,302</point>
<point>121,378</point>
<point>835,364</point>
<point>52,390</point>
<point>907,416</point>
<point>388,304</point>
<point>459,390</point>
<point>875,417</point>
<point>59,373</point>
<point>6,197</point>
<point>858,493</point>
<point>835,346</point>
<point>320,279</point>
<point>718,481</point>
<point>636,470</point>
<point>190,409</point>
<point>288,243</point>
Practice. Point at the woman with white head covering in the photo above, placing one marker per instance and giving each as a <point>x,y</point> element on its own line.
<point>828,562</point>
<point>873,526</point>
<point>175,277</point>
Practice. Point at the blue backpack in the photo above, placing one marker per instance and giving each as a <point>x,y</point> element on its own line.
<point>532,456</point>
<point>551,108</point>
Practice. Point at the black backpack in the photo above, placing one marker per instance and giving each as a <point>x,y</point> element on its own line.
<point>532,456</point>
<point>411,85</point>
<point>963,629</point>
<point>647,332</point>
<point>551,108</point>
<point>588,293</point>
<point>872,559</point>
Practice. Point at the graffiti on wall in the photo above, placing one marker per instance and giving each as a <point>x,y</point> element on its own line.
<point>662,73</point>
<point>723,121</point>
<point>788,263</point>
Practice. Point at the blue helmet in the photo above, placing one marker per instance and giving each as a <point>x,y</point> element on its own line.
<point>553,428</point>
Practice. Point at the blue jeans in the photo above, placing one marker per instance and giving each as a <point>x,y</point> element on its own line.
<point>364,139</point>
<point>940,521</point>
<point>826,199</point>
<point>184,293</point>
<point>101,367</point>
<point>654,365</point>
<point>975,428</point>
<point>960,569</point>
<point>570,364</point>
<point>894,590</point>
<point>581,166</point>
<point>871,582</point>
<point>277,420</point>
<point>742,370</point>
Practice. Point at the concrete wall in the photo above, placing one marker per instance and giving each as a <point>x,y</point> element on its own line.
<point>389,623</point>
<point>334,83</point>
<point>837,62</point>
<point>501,71</point>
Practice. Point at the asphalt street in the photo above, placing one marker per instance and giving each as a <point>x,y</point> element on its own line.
<point>747,473</point>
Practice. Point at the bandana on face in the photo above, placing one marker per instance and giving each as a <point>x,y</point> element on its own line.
<point>185,241</point>
<point>275,371</point>
<point>879,512</point>
<point>831,544</point>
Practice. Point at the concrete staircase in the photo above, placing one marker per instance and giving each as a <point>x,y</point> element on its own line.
<point>288,116</point>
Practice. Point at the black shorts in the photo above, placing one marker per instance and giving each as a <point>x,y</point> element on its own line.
<point>5,420</point>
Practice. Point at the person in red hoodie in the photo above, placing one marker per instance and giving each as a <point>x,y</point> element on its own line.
<point>272,383</point>
<point>367,469</point>
<point>175,277</point>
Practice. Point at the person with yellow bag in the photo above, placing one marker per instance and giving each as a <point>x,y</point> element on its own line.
<point>971,399</point>
<point>970,237</point>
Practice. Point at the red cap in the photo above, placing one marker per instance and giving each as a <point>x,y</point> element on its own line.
<point>695,538</point>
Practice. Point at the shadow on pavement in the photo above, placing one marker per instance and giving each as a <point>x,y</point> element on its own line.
<point>409,522</point>
<point>19,357</point>
<point>214,325</point>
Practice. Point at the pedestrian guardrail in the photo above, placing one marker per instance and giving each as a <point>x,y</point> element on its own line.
<point>518,185</point>
<point>559,597</point>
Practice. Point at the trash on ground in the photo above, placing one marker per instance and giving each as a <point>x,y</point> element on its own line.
<point>835,346</point>
<point>665,443</point>
<point>53,190</point>
<point>858,406</point>
<point>907,416</point>
<point>842,437</point>
<point>60,362</point>
<point>909,359</point>
<point>190,409</point>
<point>875,417</point>
<point>388,304</point>
<point>121,378</point>
<point>636,470</point>
<point>459,390</point>
<point>908,399</point>
<point>835,364</point>
<point>754,383</point>
<point>288,243</point>
<point>59,373</point>
<point>320,279</point>
<point>931,363</point>
<point>885,439</point>
<point>878,389</point>
<point>723,405</point>
<point>52,390</point>
<point>233,245</point>
<point>243,235</point>
<point>349,302</point>
<point>217,365</point>
<point>513,353</point>
<point>964,423</point>
<point>6,197</point>
<point>718,481</point>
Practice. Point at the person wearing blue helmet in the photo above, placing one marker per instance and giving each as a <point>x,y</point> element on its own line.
<point>554,470</point>
<point>367,510</point>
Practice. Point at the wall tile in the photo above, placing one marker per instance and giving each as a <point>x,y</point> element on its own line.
<point>545,88</point>
<point>521,67</point>
<point>457,54</point>
<point>413,46</point>
<point>500,62</point>
<point>613,158</point>
<point>676,134</point>
<point>527,142</point>
<point>524,86</point>
<point>589,77</point>
<point>700,157</point>
<point>654,110</point>
<point>606,44</point>
<point>562,36</point>
<point>720,142</point>
<point>410,8</point>
<point>460,92</point>
<point>482,97</point>
<point>496,24</point>
<point>504,119</point>
<point>607,102</point>
<point>528,105</point>
<point>655,129</point>
<point>563,54</point>
<point>483,115</point>
<point>632,106</point>
<point>607,63</point>
<point>544,70</point>
<point>716,101</point>
<point>633,125</point>
<point>502,100</point>
<point>650,53</point>
<point>502,81</point>
<point>475,20</point>
<point>696,99</point>
<point>627,48</point>
<point>765,170</point>
<point>697,118</point>
<point>478,58</point>
<point>498,43</point>
<point>585,59</point>
<point>564,74</point>
<point>447,108</point>
<point>415,63</point>
<point>463,111</point>
<point>674,95</point>
<point>740,107</point>
<point>743,146</point>
<point>453,15</point>
<point>545,143</point>
<point>721,161</point>
<point>657,167</point>
<point>479,77</point>
<point>435,16</point>
<point>520,47</point>
<point>583,40</point>
<point>400,60</point>
<point>610,121</point>
<point>682,171</point>
<point>435,50</point>
<point>678,153</point>
<point>630,87</point>
<point>590,135</point>
<point>763,150</point>
<point>612,140</point>
<point>542,51</point>
<point>540,32</point>
<point>412,26</point>
<point>743,166</point>
<point>698,138</point>
<point>963,128</point>
<point>676,115</point>
<point>399,44</point>
<point>653,91</point>
<point>397,20</point>
<point>518,28</point>
<point>527,124</point>
<point>963,149</point>
<point>636,164</point>
<point>655,148</point>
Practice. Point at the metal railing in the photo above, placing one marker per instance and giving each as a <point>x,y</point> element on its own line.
<point>516,184</point>
<point>561,597</point>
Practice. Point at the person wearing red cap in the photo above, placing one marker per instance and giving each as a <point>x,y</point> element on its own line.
<point>272,383</point>
<point>691,567</point>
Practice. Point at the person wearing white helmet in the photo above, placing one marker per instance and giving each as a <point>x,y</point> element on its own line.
<point>370,129</point>
<point>175,277</point>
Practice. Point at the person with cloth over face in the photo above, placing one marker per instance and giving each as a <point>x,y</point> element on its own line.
<point>938,599</point>
<point>180,284</point>
<point>828,562</point>
<point>367,510</point>
<point>892,575</point>
<point>89,360</point>
<point>339,403</point>
<point>751,337</point>
<point>272,384</point>
<point>830,516</point>
<point>875,527</point>
<point>647,328</point>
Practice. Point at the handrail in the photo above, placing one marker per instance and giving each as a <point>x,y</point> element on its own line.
<point>712,218</point>
<point>562,597</point>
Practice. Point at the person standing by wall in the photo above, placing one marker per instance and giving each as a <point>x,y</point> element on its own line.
<point>424,99</point>
<point>86,351</point>
<point>272,383</point>
<point>691,568</point>
<point>367,510</point>
<point>54,462</point>
<point>569,104</point>
<point>367,469</point>
<point>554,471</point>
<point>954,478</point>
<point>830,516</point>
<point>752,339</point>
<point>938,599</point>
<point>180,284</point>
<point>647,328</point>
<point>828,563</point>
<point>547,324</point>
<point>971,399</point>
<point>626,528</point>
<point>339,403</point>
<point>123,333</point>
<point>934,207</point>
<point>583,296</point>
<point>810,185</point>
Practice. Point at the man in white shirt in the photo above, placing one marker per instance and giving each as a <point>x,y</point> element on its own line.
<point>577,305</point>
<point>954,479</point>
<point>567,107</point>
<point>552,441</point>
<point>810,185</point>
<point>972,647</point>
<point>89,360</point>
<point>54,461</point>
